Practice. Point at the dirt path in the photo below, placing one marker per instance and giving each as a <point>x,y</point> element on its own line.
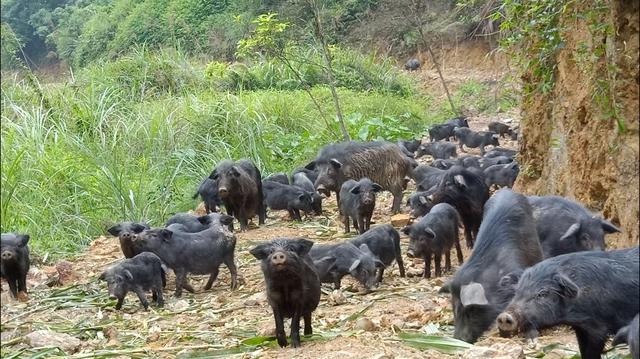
<point>224,322</point>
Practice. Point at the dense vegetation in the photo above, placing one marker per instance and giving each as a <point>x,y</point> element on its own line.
<point>131,132</point>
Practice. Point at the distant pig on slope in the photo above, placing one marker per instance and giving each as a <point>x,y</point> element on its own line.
<point>382,162</point>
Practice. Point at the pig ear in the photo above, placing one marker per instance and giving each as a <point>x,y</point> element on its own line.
<point>459,180</point>
<point>311,165</point>
<point>355,190</point>
<point>226,219</point>
<point>376,187</point>
<point>128,274</point>
<point>607,227</point>
<point>137,227</point>
<point>430,232</point>
<point>354,265</point>
<point>115,230</point>
<point>260,251</point>
<point>204,219</point>
<point>572,231</point>
<point>568,288</point>
<point>213,175</point>
<point>379,263</point>
<point>365,248</point>
<point>446,288</point>
<point>335,163</point>
<point>423,199</point>
<point>303,246</point>
<point>24,239</point>
<point>103,276</point>
<point>166,234</point>
<point>301,197</point>
<point>406,230</point>
<point>473,294</point>
<point>510,280</point>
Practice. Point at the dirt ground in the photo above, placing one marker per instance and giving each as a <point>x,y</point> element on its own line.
<point>68,298</point>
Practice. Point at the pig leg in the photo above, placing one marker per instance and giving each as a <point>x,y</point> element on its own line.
<point>297,217</point>
<point>22,283</point>
<point>438,261</point>
<point>346,224</point>
<point>338,201</point>
<point>143,298</point>
<point>380,274</point>
<point>482,150</point>
<point>280,335</point>
<point>157,293</point>
<point>13,288</point>
<point>400,264</point>
<point>447,260</point>
<point>307,324</point>
<point>591,344</point>
<point>181,278</point>
<point>458,251</point>
<point>336,283</point>
<point>242,218</point>
<point>359,221</point>
<point>468,236</point>
<point>228,261</point>
<point>212,278</point>
<point>367,223</point>
<point>295,327</point>
<point>427,265</point>
<point>119,304</point>
<point>397,200</point>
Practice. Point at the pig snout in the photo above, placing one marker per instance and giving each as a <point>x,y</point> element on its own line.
<point>127,236</point>
<point>279,259</point>
<point>506,322</point>
<point>322,189</point>
<point>112,296</point>
<point>6,255</point>
<point>223,192</point>
<point>410,253</point>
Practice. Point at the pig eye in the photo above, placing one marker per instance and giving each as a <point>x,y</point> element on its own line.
<point>542,293</point>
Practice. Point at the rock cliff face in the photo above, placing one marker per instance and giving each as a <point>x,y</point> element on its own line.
<point>572,144</point>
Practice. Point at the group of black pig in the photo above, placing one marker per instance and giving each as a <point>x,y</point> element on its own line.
<point>536,261</point>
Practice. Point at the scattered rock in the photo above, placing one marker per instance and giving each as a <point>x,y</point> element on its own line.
<point>44,338</point>
<point>266,330</point>
<point>365,324</point>
<point>111,333</point>
<point>66,274</point>
<point>336,298</point>
<point>398,324</point>
<point>256,299</point>
<point>400,220</point>
<point>180,305</point>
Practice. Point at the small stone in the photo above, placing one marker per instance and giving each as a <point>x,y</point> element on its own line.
<point>400,219</point>
<point>266,330</point>
<point>398,324</point>
<point>365,324</point>
<point>180,305</point>
<point>66,273</point>
<point>336,298</point>
<point>47,338</point>
<point>255,299</point>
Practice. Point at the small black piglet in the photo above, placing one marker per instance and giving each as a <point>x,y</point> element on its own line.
<point>14,261</point>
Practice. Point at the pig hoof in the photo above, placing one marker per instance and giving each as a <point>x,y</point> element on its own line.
<point>22,296</point>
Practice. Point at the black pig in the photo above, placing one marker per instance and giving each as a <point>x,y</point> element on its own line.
<point>278,177</point>
<point>357,201</point>
<point>629,334</point>
<point>441,132</point>
<point>208,192</point>
<point>125,231</point>
<point>278,196</point>
<point>138,274</point>
<point>435,234</point>
<point>473,139</point>
<point>384,242</point>
<point>501,175</point>
<point>359,262</point>
<point>565,226</point>
<point>301,180</point>
<point>595,293</point>
<point>507,243</point>
<point>293,287</point>
<point>437,150</point>
<point>500,128</point>
<point>15,261</point>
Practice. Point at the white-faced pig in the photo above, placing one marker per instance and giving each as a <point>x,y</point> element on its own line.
<point>384,242</point>
<point>434,235</point>
<point>357,201</point>
<point>565,226</point>
<point>240,187</point>
<point>381,162</point>
<point>594,293</point>
<point>15,261</point>
<point>138,274</point>
<point>293,287</point>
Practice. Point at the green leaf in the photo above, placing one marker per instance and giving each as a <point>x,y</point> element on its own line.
<point>442,344</point>
<point>257,340</point>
